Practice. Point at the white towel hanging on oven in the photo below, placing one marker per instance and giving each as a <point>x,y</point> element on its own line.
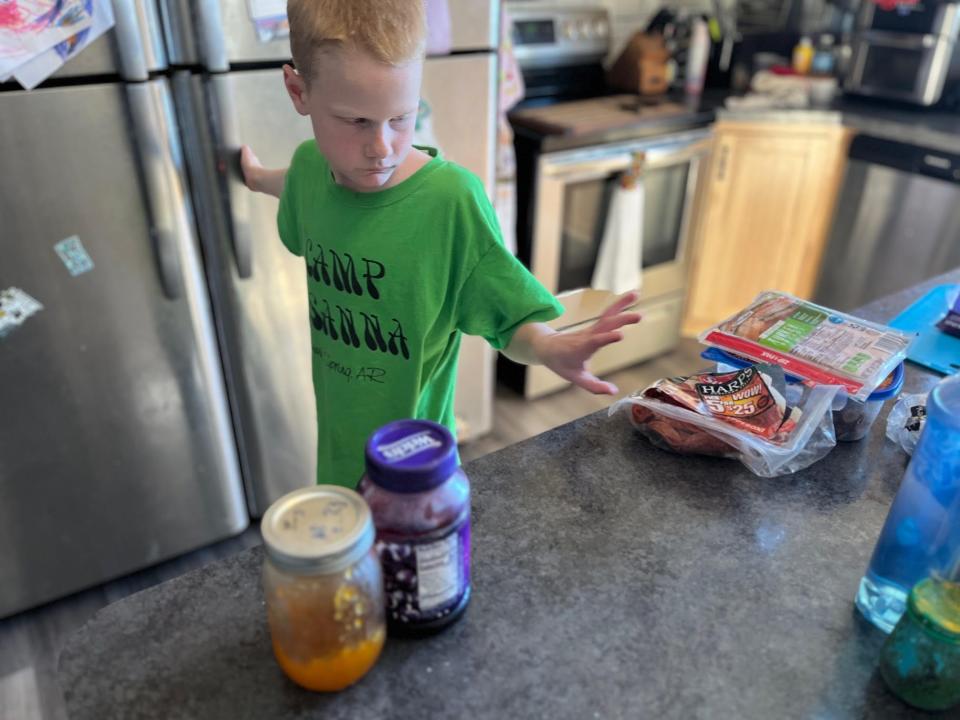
<point>621,250</point>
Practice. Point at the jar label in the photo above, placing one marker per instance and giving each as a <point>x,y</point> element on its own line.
<point>425,580</point>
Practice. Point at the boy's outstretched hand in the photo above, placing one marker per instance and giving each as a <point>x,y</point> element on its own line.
<point>567,353</point>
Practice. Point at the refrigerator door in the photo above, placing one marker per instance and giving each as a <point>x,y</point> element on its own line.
<point>228,32</point>
<point>116,450</point>
<point>258,287</point>
<point>133,48</point>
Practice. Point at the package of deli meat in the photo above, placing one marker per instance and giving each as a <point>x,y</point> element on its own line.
<point>819,345</point>
<point>749,414</point>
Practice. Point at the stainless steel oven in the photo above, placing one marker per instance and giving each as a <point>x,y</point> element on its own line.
<point>573,193</point>
<point>574,138</point>
<point>906,53</point>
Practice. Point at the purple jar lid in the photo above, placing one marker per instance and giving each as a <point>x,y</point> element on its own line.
<point>410,456</point>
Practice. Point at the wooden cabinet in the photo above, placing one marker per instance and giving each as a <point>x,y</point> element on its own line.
<point>766,215</point>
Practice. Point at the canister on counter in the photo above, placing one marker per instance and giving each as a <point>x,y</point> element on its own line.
<point>420,499</point>
<point>323,586</point>
<point>920,661</point>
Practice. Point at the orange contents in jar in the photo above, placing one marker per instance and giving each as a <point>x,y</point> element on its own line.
<point>335,671</point>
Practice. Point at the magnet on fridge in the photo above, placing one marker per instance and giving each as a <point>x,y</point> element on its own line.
<point>15,307</point>
<point>74,256</point>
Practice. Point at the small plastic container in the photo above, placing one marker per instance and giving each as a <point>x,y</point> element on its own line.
<point>920,661</point>
<point>420,500</point>
<point>323,587</point>
<point>852,419</point>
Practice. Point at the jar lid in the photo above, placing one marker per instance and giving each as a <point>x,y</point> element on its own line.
<point>411,456</point>
<point>320,529</point>
<point>935,604</point>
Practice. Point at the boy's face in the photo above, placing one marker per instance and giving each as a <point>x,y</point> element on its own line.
<point>363,114</point>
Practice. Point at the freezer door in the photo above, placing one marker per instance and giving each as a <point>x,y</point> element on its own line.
<point>116,449</point>
<point>258,286</point>
<point>475,24</point>
<point>228,32</point>
<point>133,48</point>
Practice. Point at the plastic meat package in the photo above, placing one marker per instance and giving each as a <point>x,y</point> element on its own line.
<point>906,421</point>
<point>749,414</point>
<point>815,343</point>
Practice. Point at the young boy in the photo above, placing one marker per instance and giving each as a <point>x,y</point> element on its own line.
<point>402,248</point>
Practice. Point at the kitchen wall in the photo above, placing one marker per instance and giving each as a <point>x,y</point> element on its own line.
<point>628,16</point>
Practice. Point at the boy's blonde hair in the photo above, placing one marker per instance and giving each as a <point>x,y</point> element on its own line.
<point>392,31</point>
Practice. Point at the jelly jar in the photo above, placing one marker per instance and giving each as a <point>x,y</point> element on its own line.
<point>420,499</point>
<point>920,661</point>
<point>323,586</point>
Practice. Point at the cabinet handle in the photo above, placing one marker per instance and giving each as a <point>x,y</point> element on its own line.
<point>722,163</point>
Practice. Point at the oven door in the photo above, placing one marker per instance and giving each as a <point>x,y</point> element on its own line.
<point>912,68</point>
<point>574,190</point>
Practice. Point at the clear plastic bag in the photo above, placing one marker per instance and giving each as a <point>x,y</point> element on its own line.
<point>811,439</point>
<point>906,420</point>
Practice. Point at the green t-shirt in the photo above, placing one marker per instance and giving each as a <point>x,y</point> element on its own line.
<point>394,277</point>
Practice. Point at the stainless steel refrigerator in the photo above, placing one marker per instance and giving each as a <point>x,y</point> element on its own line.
<point>116,443</point>
<point>230,91</point>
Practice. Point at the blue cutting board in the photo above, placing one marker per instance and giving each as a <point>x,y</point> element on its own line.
<point>933,348</point>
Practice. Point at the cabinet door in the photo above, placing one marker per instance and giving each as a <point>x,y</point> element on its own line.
<point>769,203</point>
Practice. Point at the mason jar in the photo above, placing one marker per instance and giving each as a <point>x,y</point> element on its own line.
<point>323,587</point>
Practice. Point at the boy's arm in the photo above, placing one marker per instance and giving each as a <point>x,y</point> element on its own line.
<point>257,177</point>
<point>567,354</point>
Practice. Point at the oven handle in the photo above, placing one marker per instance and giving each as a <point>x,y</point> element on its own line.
<point>879,38</point>
<point>576,172</point>
<point>654,157</point>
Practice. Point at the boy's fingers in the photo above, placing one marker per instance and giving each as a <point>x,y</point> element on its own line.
<point>591,383</point>
<point>602,340</point>
<point>612,323</point>
<point>621,304</point>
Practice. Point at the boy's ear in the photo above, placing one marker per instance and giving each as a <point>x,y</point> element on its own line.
<point>296,89</point>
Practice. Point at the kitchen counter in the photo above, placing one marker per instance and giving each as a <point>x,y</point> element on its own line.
<point>604,120</point>
<point>928,127</point>
<point>611,580</point>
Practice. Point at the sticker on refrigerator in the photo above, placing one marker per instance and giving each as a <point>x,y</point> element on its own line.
<point>74,255</point>
<point>269,19</point>
<point>15,307</point>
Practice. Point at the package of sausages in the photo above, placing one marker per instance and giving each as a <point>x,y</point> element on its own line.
<point>819,345</point>
<point>750,414</point>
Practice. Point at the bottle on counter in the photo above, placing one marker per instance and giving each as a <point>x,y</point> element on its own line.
<point>803,56</point>
<point>420,500</point>
<point>921,535</point>
<point>698,55</point>
<point>823,62</point>
<point>920,661</point>
<point>323,587</point>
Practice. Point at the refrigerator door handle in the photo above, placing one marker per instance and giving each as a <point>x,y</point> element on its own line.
<point>212,42</point>
<point>158,151</point>
<point>139,42</point>
<point>228,162</point>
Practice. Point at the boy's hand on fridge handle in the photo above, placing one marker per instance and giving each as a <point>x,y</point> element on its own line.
<point>567,353</point>
<point>257,177</point>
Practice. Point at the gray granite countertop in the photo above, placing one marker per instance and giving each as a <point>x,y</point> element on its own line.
<point>611,580</point>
